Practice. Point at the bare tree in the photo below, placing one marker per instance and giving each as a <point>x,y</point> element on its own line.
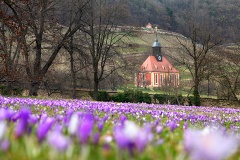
<point>202,39</point>
<point>73,46</point>
<point>227,72</point>
<point>11,66</point>
<point>196,52</point>
<point>39,19</point>
<point>101,35</point>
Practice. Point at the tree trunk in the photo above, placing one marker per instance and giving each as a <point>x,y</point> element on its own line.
<point>96,83</point>
<point>95,91</point>
<point>196,95</point>
<point>74,82</point>
<point>34,87</point>
<point>9,88</point>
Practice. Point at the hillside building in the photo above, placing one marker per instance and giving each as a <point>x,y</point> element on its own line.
<point>156,70</point>
<point>149,26</point>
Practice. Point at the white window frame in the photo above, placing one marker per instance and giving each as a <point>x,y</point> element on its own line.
<point>155,78</point>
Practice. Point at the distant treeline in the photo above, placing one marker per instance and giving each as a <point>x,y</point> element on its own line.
<point>171,14</point>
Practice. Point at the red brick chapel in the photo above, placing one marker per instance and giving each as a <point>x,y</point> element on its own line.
<point>156,70</point>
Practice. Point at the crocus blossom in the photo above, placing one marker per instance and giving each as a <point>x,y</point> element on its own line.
<point>73,124</point>
<point>4,145</point>
<point>96,138</point>
<point>130,136</point>
<point>3,127</point>
<point>58,141</point>
<point>208,144</point>
<point>172,125</point>
<point>100,125</point>
<point>85,128</point>
<point>159,129</point>
<point>43,128</point>
<point>22,123</point>
<point>6,114</point>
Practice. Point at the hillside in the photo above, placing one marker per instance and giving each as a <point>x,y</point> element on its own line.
<point>173,15</point>
<point>141,46</point>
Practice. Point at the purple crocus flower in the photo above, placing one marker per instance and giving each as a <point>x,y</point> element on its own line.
<point>159,129</point>
<point>20,127</point>
<point>105,118</point>
<point>22,123</point>
<point>69,113</point>
<point>58,127</point>
<point>121,140</point>
<point>4,145</point>
<point>129,136</point>
<point>96,138</point>
<point>157,122</point>
<point>100,125</point>
<point>159,141</point>
<point>43,117</point>
<point>172,125</point>
<point>122,118</point>
<point>43,128</point>
<point>2,113</point>
<point>58,141</point>
<point>6,114</point>
<point>85,128</point>
<point>209,144</point>
<point>185,125</point>
<point>32,119</point>
<point>143,138</point>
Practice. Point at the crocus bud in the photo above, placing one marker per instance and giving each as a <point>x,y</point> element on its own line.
<point>209,144</point>
<point>4,145</point>
<point>172,126</point>
<point>22,123</point>
<point>43,128</point>
<point>159,129</point>
<point>85,128</point>
<point>58,141</point>
<point>122,118</point>
<point>96,138</point>
<point>129,136</point>
<point>100,126</point>
<point>3,127</point>
<point>73,124</point>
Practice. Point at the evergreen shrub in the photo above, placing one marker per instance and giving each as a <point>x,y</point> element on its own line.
<point>132,96</point>
<point>102,96</point>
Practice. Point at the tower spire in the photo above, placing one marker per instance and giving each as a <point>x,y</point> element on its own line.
<point>157,48</point>
<point>156,43</point>
<point>156,34</point>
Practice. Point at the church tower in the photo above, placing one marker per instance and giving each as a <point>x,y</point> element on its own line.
<point>156,49</point>
<point>156,70</point>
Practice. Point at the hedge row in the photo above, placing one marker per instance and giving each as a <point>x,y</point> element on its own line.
<point>12,92</point>
<point>132,96</point>
<point>136,96</point>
